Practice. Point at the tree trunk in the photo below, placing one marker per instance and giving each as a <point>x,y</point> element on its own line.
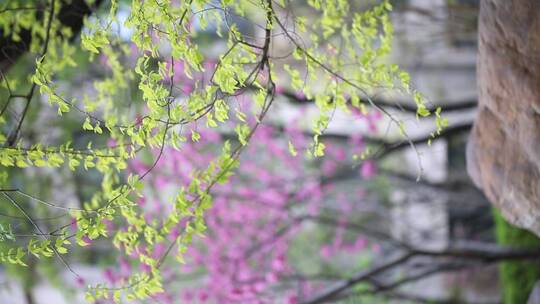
<point>504,148</point>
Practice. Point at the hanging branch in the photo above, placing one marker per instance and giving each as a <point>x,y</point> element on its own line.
<point>402,106</point>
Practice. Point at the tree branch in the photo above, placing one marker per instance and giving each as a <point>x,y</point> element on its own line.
<point>398,105</point>
<point>337,288</point>
<point>485,252</point>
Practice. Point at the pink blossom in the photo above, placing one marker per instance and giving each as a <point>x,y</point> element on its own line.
<point>159,249</point>
<point>376,248</point>
<point>300,94</point>
<point>326,252</point>
<point>271,277</point>
<point>340,154</point>
<point>125,268</point>
<point>110,226</point>
<point>203,296</point>
<point>109,276</point>
<point>174,233</point>
<point>187,89</point>
<point>272,197</point>
<point>368,169</point>
<point>329,167</point>
<point>80,281</point>
<point>187,296</point>
<point>278,264</point>
<point>292,300</point>
<point>87,240</point>
<point>145,268</point>
<point>73,224</point>
<point>360,244</point>
<point>111,142</point>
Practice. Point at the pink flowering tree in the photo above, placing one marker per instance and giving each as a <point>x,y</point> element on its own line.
<point>274,200</point>
<point>279,198</point>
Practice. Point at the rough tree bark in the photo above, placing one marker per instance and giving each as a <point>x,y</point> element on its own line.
<point>504,148</point>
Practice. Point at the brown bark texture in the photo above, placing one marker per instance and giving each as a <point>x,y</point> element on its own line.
<point>504,147</point>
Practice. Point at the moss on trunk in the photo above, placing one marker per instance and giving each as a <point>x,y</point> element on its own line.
<point>517,278</point>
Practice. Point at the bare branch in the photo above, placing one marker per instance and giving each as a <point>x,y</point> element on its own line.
<point>485,252</point>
